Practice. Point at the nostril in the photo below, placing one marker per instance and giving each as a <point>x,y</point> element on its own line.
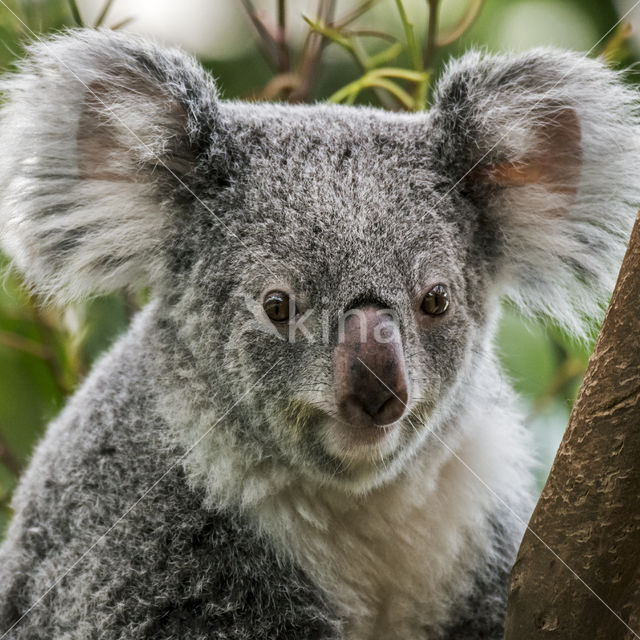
<point>353,410</point>
<point>391,410</point>
<point>373,404</point>
<point>379,409</point>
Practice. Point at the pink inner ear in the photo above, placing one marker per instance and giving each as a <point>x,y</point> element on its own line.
<point>110,145</point>
<point>99,151</point>
<point>555,163</point>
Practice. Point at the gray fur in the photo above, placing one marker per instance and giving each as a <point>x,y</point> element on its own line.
<point>262,527</point>
<point>170,569</point>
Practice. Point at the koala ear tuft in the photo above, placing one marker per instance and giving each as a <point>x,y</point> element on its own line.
<point>547,145</point>
<point>97,133</point>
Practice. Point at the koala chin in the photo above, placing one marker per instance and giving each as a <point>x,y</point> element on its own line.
<point>306,434</point>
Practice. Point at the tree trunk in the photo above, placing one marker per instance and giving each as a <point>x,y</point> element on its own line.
<point>577,574</point>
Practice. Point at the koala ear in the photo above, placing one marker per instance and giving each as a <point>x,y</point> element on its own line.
<point>547,146</point>
<point>98,134</point>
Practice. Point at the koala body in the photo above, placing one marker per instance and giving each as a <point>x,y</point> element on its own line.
<point>231,472</point>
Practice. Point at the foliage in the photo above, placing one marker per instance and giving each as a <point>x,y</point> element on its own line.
<point>46,352</point>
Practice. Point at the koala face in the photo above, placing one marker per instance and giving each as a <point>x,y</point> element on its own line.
<point>347,286</point>
<point>331,275</point>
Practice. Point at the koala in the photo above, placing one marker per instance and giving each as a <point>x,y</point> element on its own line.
<point>306,433</point>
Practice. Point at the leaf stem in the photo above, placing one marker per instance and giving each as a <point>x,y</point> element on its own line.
<point>103,14</point>
<point>463,25</point>
<point>355,13</point>
<point>123,23</point>
<point>284,64</point>
<point>380,78</point>
<point>410,35</point>
<point>432,31</point>
<point>268,44</point>
<point>75,12</point>
<point>313,48</point>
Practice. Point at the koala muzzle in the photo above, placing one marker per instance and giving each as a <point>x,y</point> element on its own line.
<point>370,380</point>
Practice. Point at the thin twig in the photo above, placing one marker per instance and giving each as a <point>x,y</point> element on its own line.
<point>103,14</point>
<point>266,40</point>
<point>284,63</point>
<point>278,85</point>
<point>282,14</point>
<point>420,92</point>
<point>20,343</point>
<point>370,33</point>
<point>432,31</point>
<point>348,40</point>
<point>409,34</point>
<point>314,46</point>
<point>380,78</point>
<point>462,26</point>
<point>354,14</point>
<point>75,12</point>
<point>123,23</point>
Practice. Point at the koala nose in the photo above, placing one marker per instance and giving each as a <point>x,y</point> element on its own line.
<point>370,381</point>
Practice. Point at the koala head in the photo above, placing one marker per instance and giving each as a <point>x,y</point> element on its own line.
<point>333,274</point>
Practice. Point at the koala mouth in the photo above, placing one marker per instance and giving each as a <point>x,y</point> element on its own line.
<point>369,446</point>
<point>349,442</point>
<point>364,434</point>
<point>360,443</point>
<point>376,446</point>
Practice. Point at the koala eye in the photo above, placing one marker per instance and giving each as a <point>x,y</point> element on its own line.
<point>276,305</point>
<point>435,301</point>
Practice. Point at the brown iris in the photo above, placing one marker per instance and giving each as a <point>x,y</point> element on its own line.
<point>277,306</point>
<point>435,301</point>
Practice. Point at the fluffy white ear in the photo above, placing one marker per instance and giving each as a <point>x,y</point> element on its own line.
<point>547,146</point>
<point>97,133</point>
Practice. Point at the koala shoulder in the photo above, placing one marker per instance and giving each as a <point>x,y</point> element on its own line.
<point>108,537</point>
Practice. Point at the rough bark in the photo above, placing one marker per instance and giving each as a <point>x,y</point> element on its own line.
<point>577,575</point>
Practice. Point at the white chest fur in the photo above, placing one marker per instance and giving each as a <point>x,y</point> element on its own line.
<point>397,558</point>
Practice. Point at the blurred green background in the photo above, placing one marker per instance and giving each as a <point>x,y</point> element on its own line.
<point>46,351</point>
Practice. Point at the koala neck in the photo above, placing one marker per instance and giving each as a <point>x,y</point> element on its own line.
<point>389,556</point>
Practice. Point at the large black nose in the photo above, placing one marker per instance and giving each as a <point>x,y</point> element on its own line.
<point>370,381</point>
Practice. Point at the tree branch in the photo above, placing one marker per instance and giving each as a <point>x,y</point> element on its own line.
<point>578,569</point>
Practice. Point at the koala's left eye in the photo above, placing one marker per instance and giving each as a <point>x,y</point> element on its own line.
<point>277,305</point>
<point>435,301</point>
